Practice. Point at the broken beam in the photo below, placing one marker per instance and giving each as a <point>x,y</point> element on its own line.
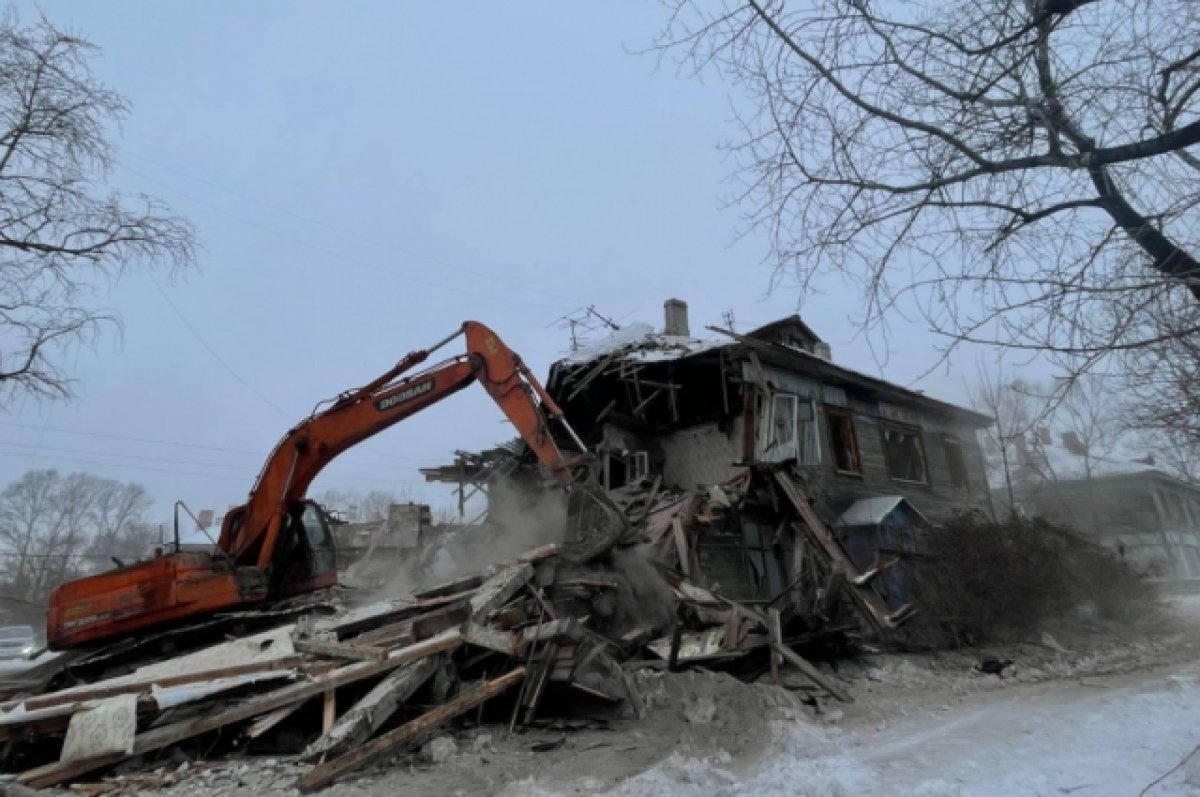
<point>496,591</point>
<point>156,738</point>
<point>100,691</point>
<point>339,650</point>
<point>369,714</point>
<point>812,673</point>
<point>326,773</point>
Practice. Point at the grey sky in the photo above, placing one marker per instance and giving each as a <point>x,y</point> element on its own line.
<point>364,176</point>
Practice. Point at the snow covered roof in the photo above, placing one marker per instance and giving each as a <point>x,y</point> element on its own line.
<point>873,511</point>
<point>640,342</point>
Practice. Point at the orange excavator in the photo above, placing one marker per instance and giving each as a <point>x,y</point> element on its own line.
<point>279,545</point>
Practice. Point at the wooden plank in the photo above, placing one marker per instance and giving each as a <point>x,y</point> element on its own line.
<point>562,627</point>
<point>391,636</point>
<point>483,637</point>
<point>541,677</point>
<point>327,773</point>
<point>329,712</point>
<point>434,623</point>
<point>353,624</point>
<point>676,642</point>
<point>776,630</point>
<point>269,721</point>
<point>156,738</point>
<point>685,560</point>
<point>99,691</point>
<point>811,672</point>
<point>339,650</point>
<point>496,591</point>
<point>539,553</point>
<point>872,607</point>
<point>368,715</point>
<point>458,586</point>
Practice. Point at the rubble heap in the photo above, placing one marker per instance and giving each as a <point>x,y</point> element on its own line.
<point>533,637</point>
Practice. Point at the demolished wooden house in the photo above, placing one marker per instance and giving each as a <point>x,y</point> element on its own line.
<point>670,413</point>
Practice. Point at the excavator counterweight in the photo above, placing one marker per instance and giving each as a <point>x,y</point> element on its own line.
<point>278,544</point>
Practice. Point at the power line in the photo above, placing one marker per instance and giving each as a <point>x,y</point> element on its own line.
<point>222,476</point>
<point>390,246</point>
<point>200,338</point>
<point>238,466</point>
<point>199,446</point>
<point>361,264</point>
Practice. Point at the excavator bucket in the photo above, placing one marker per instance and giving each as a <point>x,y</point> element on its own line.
<point>594,523</point>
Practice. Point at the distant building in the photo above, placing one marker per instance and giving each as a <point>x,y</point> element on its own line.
<point>1150,518</point>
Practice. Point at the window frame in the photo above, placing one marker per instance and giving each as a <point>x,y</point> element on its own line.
<point>831,412</point>
<point>884,426</point>
<point>767,450</point>
<point>963,482</point>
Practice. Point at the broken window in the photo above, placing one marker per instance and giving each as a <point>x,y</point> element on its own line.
<point>843,444</point>
<point>956,464</point>
<point>790,431</point>
<point>905,453</point>
<point>625,467</point>
<point>762,555</point>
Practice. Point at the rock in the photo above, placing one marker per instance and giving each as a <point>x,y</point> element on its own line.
<point>440,750</point>
<point>833,715</point>
<point>482,742</point>
<point>701,711</point>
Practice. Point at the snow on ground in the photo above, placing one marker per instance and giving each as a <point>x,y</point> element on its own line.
<point>1095,737</point>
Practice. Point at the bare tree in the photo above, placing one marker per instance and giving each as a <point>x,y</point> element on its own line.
<point>359,506</point>
<point>1010,445</point>
<point>1091,423</point>
<point>1024,171</point>
<point>62,234</point>
<point>54,528</point>
<point>118,522</point>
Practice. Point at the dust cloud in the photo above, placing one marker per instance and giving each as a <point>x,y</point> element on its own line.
<point>519,519</point>
<point>522,517</point>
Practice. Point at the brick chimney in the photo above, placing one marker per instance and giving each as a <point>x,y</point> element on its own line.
<point>676,315</point>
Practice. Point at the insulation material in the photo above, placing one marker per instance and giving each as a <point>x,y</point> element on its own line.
<point>268,645</point>
<point>104,728</point>
<point>172,696</point>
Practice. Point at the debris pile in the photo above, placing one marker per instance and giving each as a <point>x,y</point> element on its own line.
<point>755,569</point>
<point>535,637</point>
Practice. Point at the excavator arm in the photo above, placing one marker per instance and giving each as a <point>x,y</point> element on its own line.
<point>260,554</point>
<point>250,533</point>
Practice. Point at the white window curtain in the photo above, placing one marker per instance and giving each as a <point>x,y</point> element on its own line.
<point>788,430</point>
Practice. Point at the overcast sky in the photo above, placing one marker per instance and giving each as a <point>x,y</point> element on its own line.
<point>363,177</point>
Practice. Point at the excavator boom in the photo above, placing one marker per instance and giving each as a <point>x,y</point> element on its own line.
<point>249,536</point>
<point>278,544</point>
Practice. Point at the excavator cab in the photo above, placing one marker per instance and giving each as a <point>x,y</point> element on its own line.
<point>306,558</point>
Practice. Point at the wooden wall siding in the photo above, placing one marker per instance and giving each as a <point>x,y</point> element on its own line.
<point>835,492</point>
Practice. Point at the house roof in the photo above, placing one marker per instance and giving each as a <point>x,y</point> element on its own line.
<point>640,342</point>
<point>1128,477</point>
<point>873,511</point>
<point>793,321</point>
